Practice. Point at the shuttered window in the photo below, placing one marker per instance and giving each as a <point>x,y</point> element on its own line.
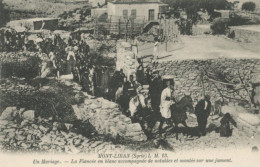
<point>133,13</point>
<point>125,14</point>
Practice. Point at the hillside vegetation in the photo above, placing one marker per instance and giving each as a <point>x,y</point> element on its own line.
<point>22,9</point>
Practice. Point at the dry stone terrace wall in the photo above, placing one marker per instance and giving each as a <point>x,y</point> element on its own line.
<point>187,74</point>
<point>246,35</point>
<point>107,118</point>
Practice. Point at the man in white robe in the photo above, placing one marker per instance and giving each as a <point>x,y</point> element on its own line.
<point>166,101</point>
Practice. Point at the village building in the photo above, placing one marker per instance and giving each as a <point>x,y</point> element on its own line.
<point>34,24</point>
<point>130,16</point>
<point>138,10</point>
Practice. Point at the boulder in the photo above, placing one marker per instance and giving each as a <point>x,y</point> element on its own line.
<point>8,113</point>
<point>233,110</point>
<point>29,115</point>
<point>136,127</point>
<point>252,119</point>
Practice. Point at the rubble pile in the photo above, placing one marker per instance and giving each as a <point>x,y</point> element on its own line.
<point>21,130</point>
<point>187,76</point>
<point>103,45</point>
<point>106,117</point>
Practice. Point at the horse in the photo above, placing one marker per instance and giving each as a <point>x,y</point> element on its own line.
<point>138,105</point>
<point>178,112</point>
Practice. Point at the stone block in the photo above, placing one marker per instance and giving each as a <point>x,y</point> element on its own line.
<point>8,113</point>
<point>136,127</point>
<point>4,122</point>
<point>29,115</point>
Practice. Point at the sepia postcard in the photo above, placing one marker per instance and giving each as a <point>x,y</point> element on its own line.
<point>130,83</point>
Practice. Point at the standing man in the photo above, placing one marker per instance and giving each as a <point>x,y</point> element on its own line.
<point>135,46</point>
<point>167,100</point>
<point>140,72</point>
<point>155,50</point>
<point>155,89</point>
<point>202,111</point>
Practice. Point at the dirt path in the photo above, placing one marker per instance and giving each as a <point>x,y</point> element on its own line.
<point>241,139</point>
<point>203,47</point>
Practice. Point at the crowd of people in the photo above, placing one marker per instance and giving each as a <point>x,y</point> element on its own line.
<point>60,56</point>
<point>73,56</point>
<point>10,40</point>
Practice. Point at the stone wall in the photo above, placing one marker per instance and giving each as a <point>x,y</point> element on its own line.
<point>106,117</point>
<point>187,74</point>
<point>247,33</point>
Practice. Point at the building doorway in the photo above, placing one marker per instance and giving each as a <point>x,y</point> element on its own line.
<point>151,14</point>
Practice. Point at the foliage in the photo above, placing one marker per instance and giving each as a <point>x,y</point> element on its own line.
<point>54,102</point>
<point>236,20</point>
<point>192,7</point>
<point>185,26</point>
<point>4,14</point>
<point>219,26</point>
<point>248,6</point>
<point>19,64</point>
<point>197,5</point>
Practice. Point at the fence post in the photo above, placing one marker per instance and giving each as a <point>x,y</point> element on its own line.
<point>119,29</point>
<point>126,31</point>
<point>132,22</point>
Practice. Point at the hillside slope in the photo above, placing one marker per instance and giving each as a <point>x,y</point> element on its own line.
<point>22,9</point>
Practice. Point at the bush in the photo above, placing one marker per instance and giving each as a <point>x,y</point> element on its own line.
<point>19,64</point>
<point>219,26</point>
<point>248,6</point>
<point>184,26</point>
<point>236,20</point>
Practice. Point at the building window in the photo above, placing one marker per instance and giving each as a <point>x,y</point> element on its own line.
<point>125,14</point>
<point>133,13</point>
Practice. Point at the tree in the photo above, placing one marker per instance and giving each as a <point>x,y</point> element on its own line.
<point>248,6</point>
<point>4,14</point>
<point>192,7</point>
<point>219,26</point>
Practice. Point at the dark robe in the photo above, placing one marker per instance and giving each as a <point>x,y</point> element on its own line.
<point>202,115</point>
<point>224,129</point>
<point>155,90</point>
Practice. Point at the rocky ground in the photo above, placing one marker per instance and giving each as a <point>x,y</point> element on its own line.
<point>22,130</point>
<point>46,135</point>
<point>241,138</point>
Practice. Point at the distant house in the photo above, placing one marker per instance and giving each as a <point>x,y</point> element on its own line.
<point>138,10</point>
<point>34,24</point>
<point>224,13</point>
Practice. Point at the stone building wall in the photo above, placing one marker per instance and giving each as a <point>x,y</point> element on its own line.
<point>187,74</point>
